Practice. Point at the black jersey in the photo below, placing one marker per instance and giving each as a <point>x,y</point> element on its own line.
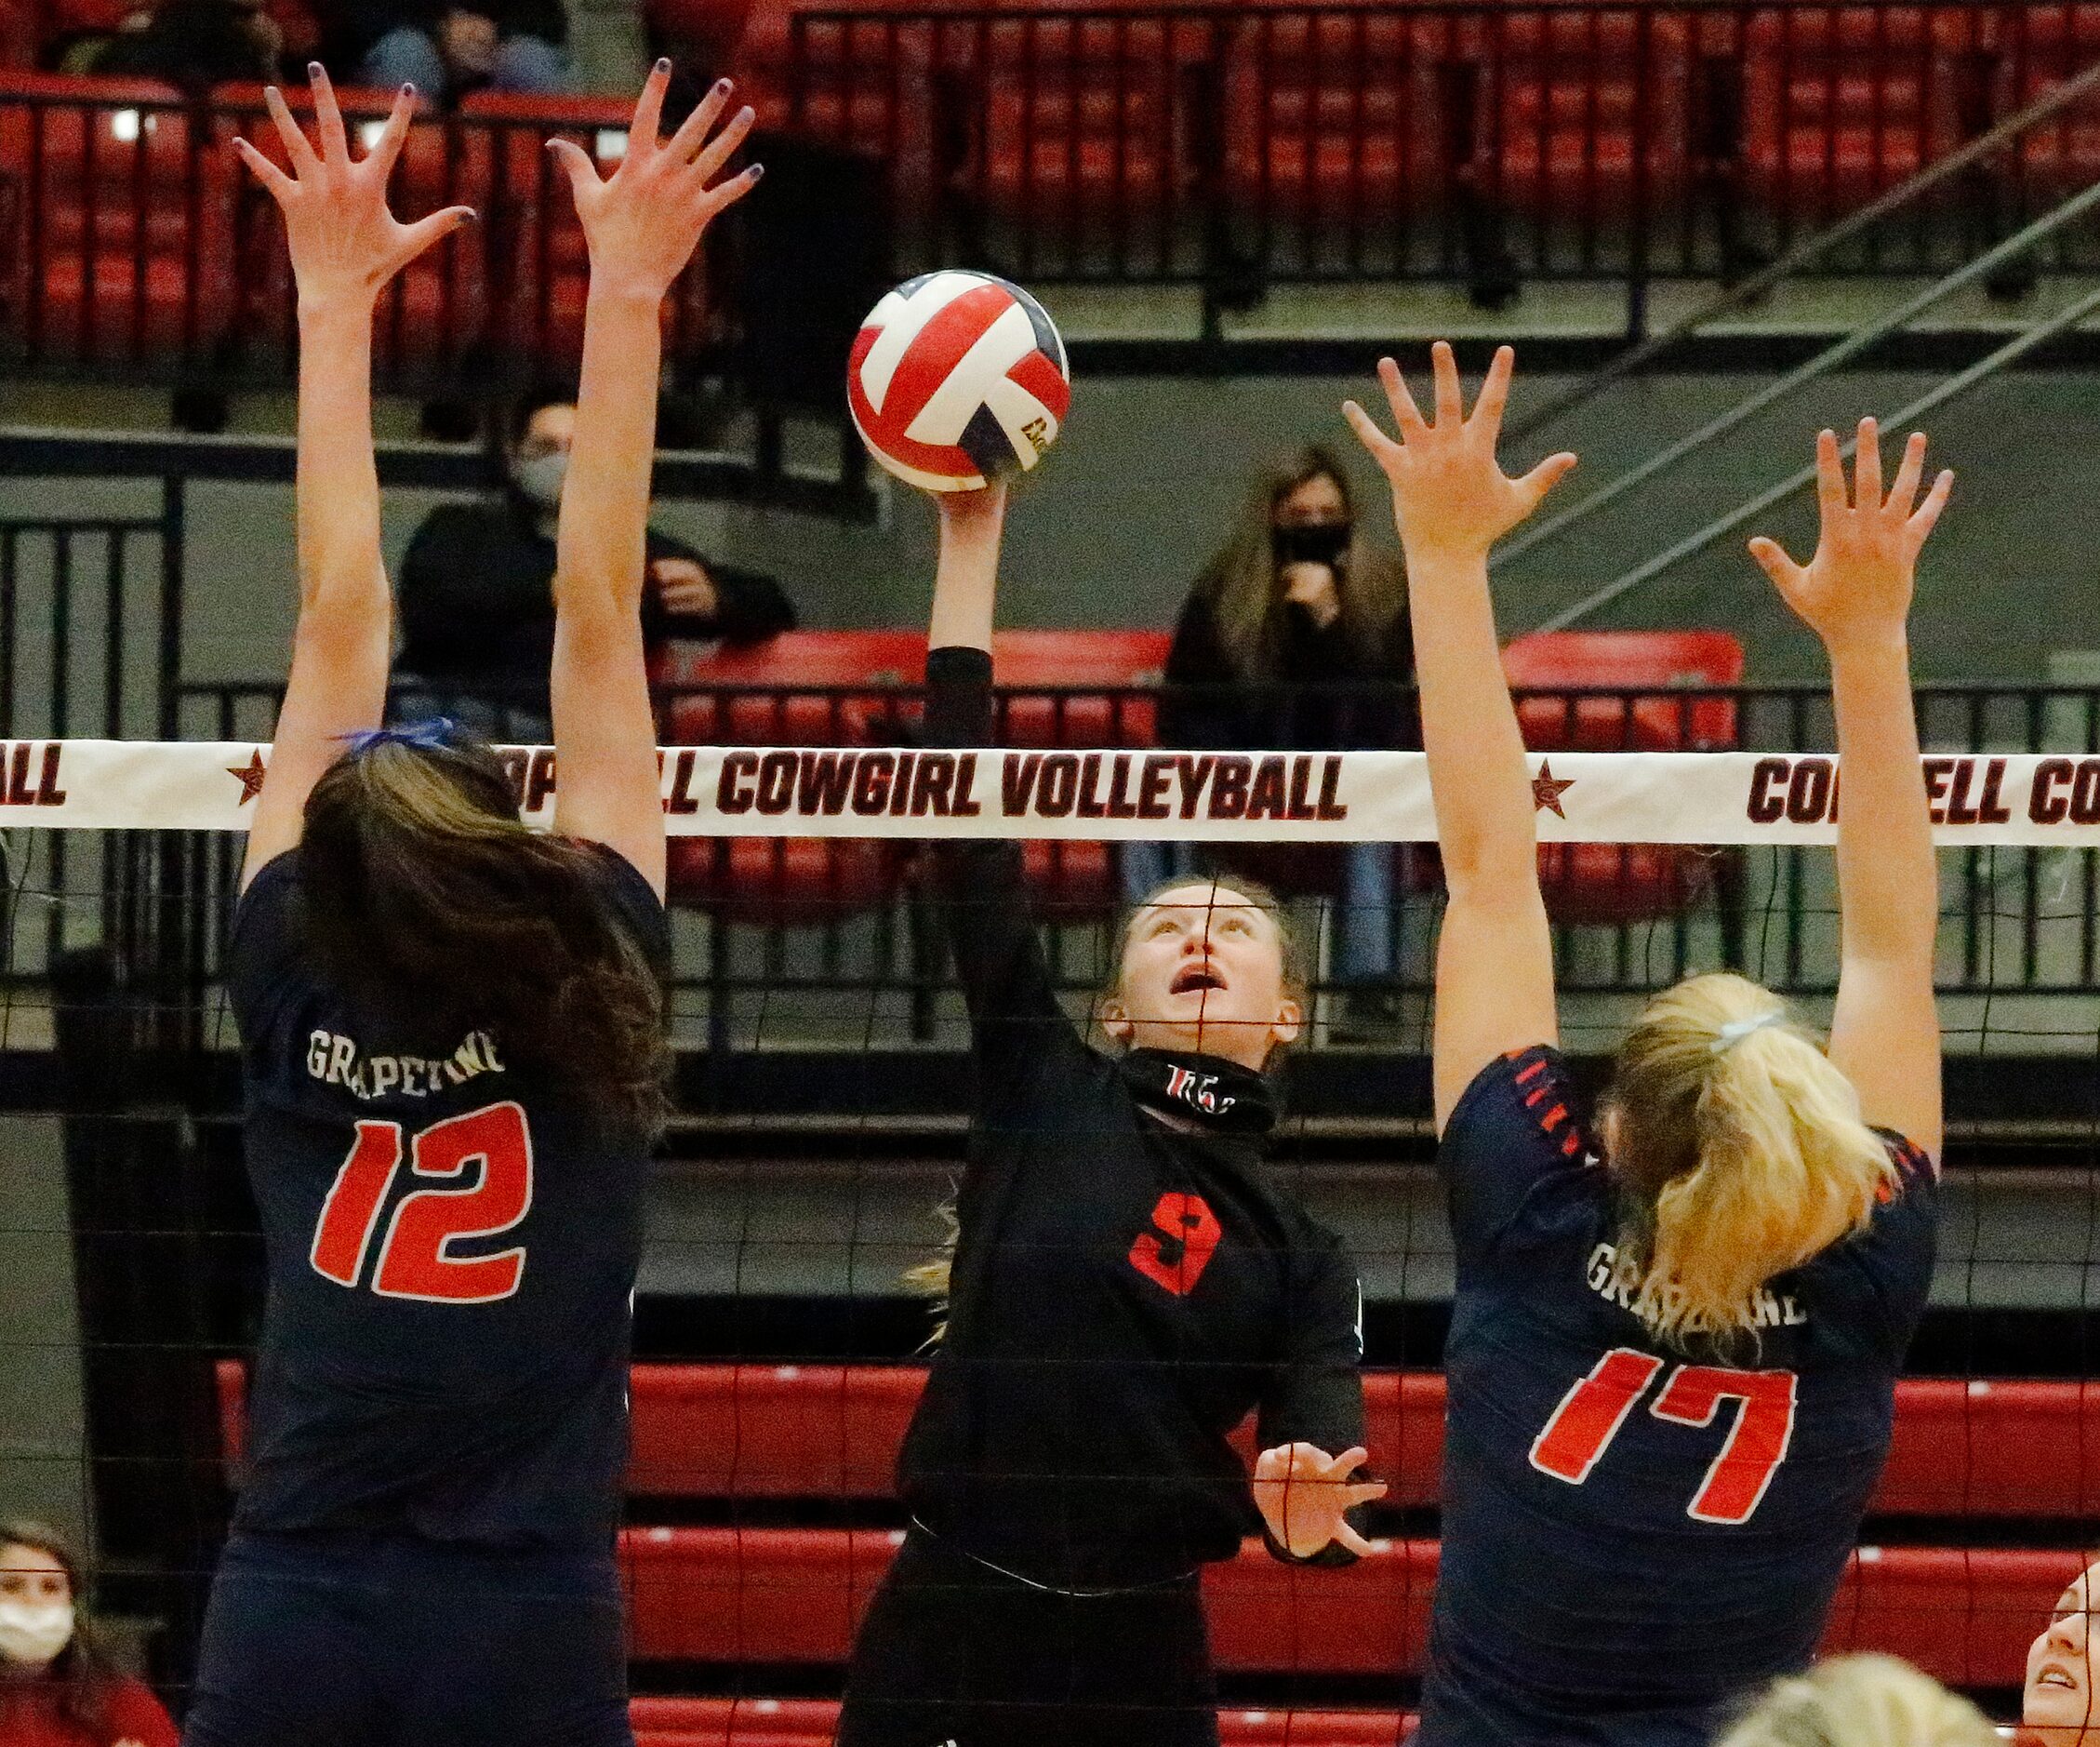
<point>1124,1293</point>
<point>1631,1536</point>
<point>452,1246</point>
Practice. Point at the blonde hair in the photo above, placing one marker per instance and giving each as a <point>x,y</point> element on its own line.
<point>1860,1701</point>
<point>933,1278</point>
<point>1742,1151</point>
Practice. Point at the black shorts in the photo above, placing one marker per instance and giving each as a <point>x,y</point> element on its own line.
<point>951,1652</point>
<point>361,1640</point>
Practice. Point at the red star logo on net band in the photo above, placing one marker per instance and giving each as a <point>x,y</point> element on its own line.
<point>249,776</point>
<point>1545,791</point>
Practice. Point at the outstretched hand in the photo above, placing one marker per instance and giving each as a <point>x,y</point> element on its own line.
<point>643,221</point>
<point>1858,584</point>
<point>1449,492</point>
<point>1302,1493</point>
<point>345,242</point>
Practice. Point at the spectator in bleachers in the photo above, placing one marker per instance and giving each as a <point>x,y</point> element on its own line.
<point>1296,637</point>
<point>1861,1701</point>
<point>444,49</point>
<point>59,1687</point>
<point>477,592</point>
<point>2057,1708</point>
<point>192,44</point>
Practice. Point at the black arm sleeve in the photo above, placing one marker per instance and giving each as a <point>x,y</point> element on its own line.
<point>1317,1396</point>
<point>1013,1012</point>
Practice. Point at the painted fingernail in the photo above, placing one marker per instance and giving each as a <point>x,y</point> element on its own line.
<point>721,87</point>
<point>664,65</point>
<point>755,171</point>
<point>408,89</point>
<point>313,68</point>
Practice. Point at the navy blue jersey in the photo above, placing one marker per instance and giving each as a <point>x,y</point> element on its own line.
<point>1631,1536</point>
<point>452,1246</point>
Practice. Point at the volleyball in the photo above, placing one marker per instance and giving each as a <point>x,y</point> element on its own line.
<point>957,379</point>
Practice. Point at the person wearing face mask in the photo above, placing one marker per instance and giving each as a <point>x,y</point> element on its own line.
<point>1296,637</point>
<point>57,1685</point>
<point>477,601</point>
<point>2058,1706</point>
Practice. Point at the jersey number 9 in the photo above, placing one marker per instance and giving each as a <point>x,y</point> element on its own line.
<point>415,1257</point>
<point>1590,1414</point>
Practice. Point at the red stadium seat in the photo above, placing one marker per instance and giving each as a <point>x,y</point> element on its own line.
<point>2041,46</point>
<point>1581,113</point>
<point>1339,117</point>
<point>791,1595</point>
<point>1840,103</point>
<point>1069,879</point>
<point>540,258</point>
<point>802,688</point>
<point>436,311</point>
<point>1079,135</point>
<point>119,222</point>
<point>1963,1447</point>
<point>1619,883</point>
<point>791,1430</point>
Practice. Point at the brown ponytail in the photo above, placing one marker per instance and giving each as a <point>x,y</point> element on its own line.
<point>423,894</point>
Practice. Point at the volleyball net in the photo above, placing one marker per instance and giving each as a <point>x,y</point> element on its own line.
<point>823,1100</point>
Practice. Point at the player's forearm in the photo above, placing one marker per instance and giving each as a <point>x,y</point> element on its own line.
<point>1478,775</point>
<point>342,574</point>
<point>966,579</point>
<point>601,543</point>
<point>1887,881</point>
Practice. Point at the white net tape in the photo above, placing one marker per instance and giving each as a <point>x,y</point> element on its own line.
<point>2034,799</point>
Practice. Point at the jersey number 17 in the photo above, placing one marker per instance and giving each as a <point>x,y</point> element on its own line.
<point>1590,1414</point>
<point>485,1157</point>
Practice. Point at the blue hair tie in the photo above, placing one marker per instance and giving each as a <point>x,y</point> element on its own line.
<point>1736,1031</point>
<point>431,735</point>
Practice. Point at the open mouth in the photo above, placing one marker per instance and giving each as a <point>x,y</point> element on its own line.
<point>2055,1675</point>
<point>1197,978</point>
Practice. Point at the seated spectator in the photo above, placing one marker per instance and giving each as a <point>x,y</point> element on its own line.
<point>477,594</point>
<point>2057,1708</point>
<point>445,48</point>
<point>1860,1701</point>
<point>57,1685</point>
<point>1296,637</point>
<point>192,44</point>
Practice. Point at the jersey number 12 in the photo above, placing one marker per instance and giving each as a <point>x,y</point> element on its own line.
<point>1590,1414</point>
<point>416,1259</point>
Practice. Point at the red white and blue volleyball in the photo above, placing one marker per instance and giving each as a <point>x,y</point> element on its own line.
<point>956,380</point>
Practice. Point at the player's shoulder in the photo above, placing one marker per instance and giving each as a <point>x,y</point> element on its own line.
<point>1524,1094</point>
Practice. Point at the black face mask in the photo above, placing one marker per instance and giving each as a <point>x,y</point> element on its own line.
<point>1220,1095</point>
<point>1315,543</point>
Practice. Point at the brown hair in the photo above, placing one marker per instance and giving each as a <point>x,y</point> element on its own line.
<point>84,1670</point>
<point>1742,1153</point>
<point>423,895</point>
<point>1240,581</point>
<point>932,1279</point>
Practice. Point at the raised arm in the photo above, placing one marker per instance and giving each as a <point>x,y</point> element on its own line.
<point>643,224</point>
<point>1855,595</point>
<point>1495,955</point>
<point>345,245</point>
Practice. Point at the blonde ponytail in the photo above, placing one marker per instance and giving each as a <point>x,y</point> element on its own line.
<point>932,1279</point>
<point>1860,1701</point>
<point>1743,1151</point>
